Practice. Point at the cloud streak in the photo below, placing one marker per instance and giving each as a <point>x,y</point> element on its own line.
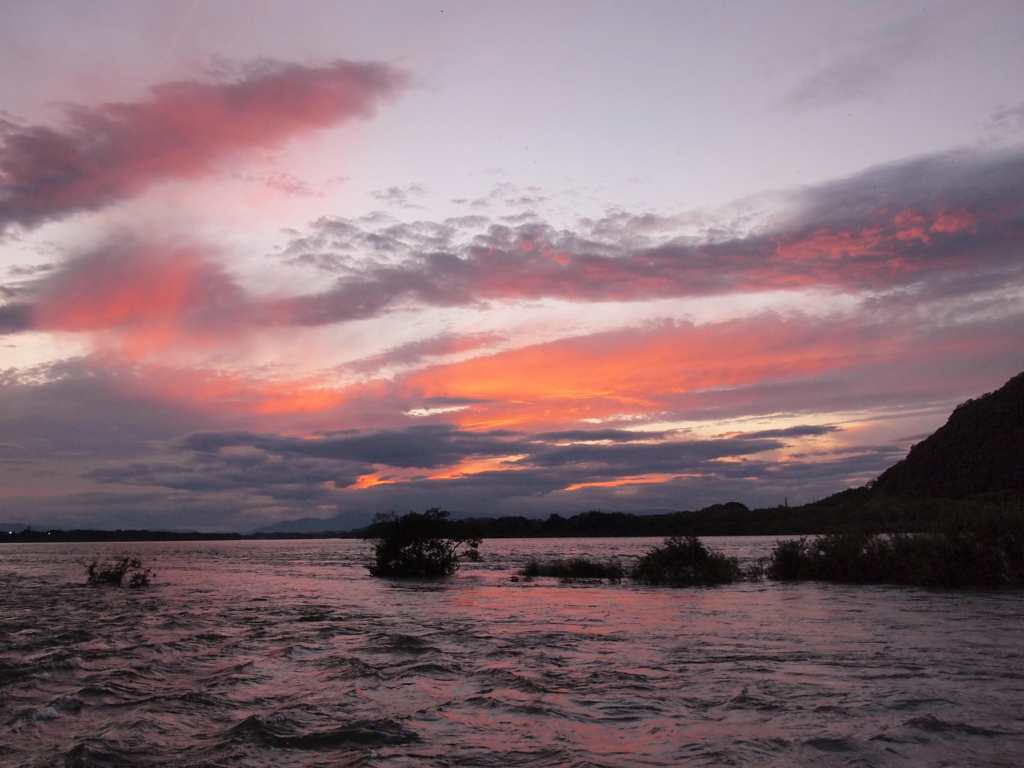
<point>219,460</point>
<point>608,467</point>
<point>951,223</point>
<point>862,73</point>
<point>105,154</point>
<point>890,227</point>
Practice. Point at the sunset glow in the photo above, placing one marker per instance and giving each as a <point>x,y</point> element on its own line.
<point>277,270</point>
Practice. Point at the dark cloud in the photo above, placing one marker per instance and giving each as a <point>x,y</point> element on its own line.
<point>256,472</point>
<point>602,435</point>
<point>798,431</point>
<point>228,500</point>
<point>538,491</point>
<point>605,462</point>
<point>239,479</point>
<point>283,467</point>
<point>111,152</point>
<point>238,502</point>
<point>897,449</point>
<point>428,446</point>
<point>15,318</point>
<point>152,510</point>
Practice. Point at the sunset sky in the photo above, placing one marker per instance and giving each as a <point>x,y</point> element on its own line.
<point>265,260</point>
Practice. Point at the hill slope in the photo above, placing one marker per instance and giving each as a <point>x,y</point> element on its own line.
<point>979,449</point>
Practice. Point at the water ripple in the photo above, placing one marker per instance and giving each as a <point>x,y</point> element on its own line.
<point>288,654</point>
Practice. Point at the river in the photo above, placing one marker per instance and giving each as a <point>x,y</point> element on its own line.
<point>287,653</point>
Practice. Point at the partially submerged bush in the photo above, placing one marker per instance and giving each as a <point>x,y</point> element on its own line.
<point>114,572</point>
<point>575,569</point>
<point>789,561</point>
<point>684,561</point>
<point>982,553</point>
<point>418,545</point>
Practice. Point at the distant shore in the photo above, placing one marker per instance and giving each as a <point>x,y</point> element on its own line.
<point>28,536</point>
<point>846,512</point>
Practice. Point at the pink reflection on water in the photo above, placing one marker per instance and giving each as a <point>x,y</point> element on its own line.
<point>242,647</point>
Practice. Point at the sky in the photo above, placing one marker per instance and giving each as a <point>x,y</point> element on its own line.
<point>264,261</point>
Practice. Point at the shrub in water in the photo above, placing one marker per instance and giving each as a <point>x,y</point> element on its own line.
<point>684,561</point>
<point>114,572</point>
<point>987,552</point>
<point>418,545</point>
<point>576,569</point>
<point>789,561</point>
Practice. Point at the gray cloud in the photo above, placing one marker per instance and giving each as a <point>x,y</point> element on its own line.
<point>428,446</point>
<point>255,472</point>
<point>602,435</point>
<point>1010,119</point>
<point>604,462</point>
<point>896,226</point>
<point>317,469</point>
<point>24,270</point>
<point>401,197</point>
<point>238,479</point>
<point>77,408</point>
<point>798,431</point>
<point>15,317</point>
<point>151,510</point>
<point>247,503</point>
<point>539,491</point>
<point>417,351</point>
<point>862,73</point>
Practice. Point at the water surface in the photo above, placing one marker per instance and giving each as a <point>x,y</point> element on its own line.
<point>286,653</point>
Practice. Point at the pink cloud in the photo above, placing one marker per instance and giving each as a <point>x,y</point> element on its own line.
<point>114,151</point>
<point>141,298</point>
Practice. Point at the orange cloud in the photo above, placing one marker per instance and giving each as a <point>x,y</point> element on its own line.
<point>636,373</point>
<point>640,370</point>
<point>630,480</point>
<point>297,397</point>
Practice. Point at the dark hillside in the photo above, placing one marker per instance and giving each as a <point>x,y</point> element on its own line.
<point>978,450</point>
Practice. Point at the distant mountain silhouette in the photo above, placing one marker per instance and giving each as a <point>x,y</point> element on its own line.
<point>979,449</point>
<point>343,521</point>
